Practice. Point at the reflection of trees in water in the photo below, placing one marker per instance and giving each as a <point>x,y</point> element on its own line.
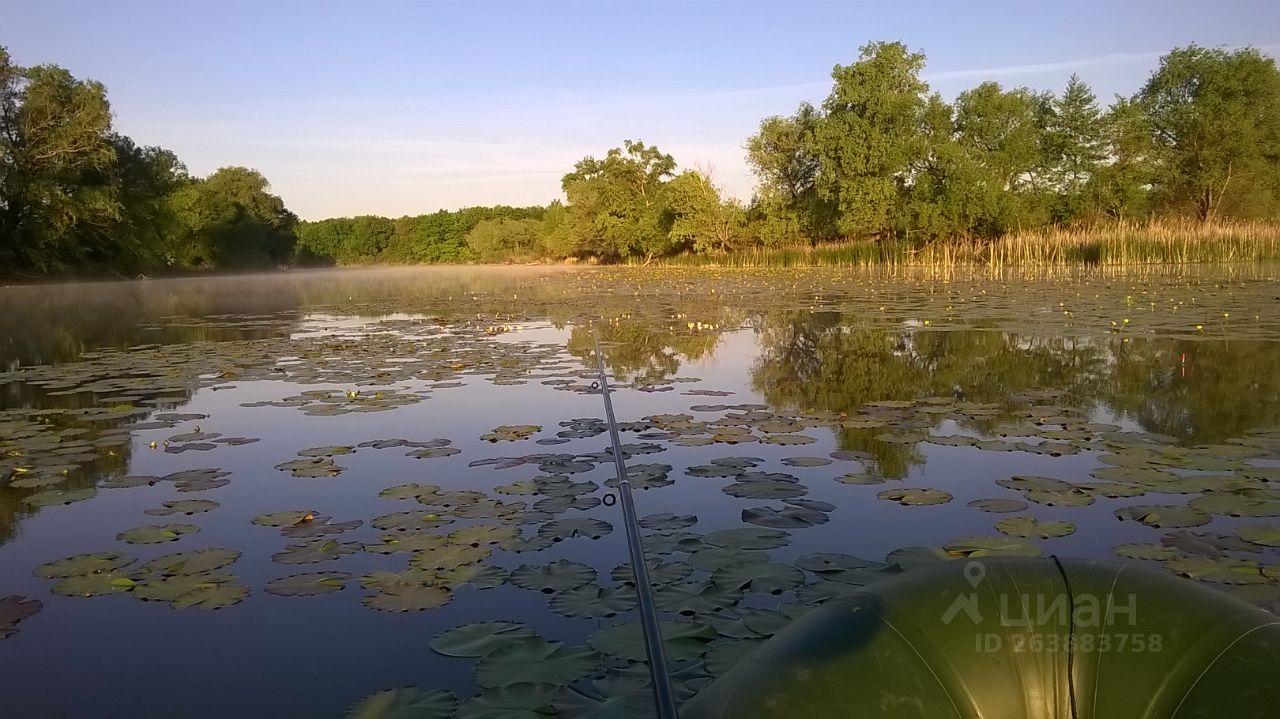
<point>111,461</point>
<point>835,362</point>
<point>1197,390</point>
<point>641,351</point>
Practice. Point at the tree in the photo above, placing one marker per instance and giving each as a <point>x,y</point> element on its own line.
<point>1121,185</point>
<point>867,136</point>
<point>1002,131</point>
<point>700,218</point>
<point>1215,122</point>
<point>230,219</point>
<point>947,192</point>
<point>56,201</point>
<point>783,156</point>
<point>1074,146</point>
<point>504,238</point>
<point>618,205</point>
<point>144,178</point>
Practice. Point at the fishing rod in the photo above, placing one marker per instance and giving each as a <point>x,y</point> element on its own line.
<point>663,698</point>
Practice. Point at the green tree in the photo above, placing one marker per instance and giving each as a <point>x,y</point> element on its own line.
<point>56,200</point>
<point>505,238</point>
<point>1075,146</point>
<point>700,218</point>
<point>947,193</point>
<point>618,205</point>
<point>783,156</point>
<point>144,178</point>
<point>867,136</point>
<point>1215,120</point>
<point>230,219</point>
<point>1003,132</point>
<point>1122,183</point>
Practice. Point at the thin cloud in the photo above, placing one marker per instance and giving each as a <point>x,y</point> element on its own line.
<point>1043,67</point>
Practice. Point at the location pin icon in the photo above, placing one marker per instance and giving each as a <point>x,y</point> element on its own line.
<point>975,572</point>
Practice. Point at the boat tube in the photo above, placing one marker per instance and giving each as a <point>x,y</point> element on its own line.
<point>1013,637</point>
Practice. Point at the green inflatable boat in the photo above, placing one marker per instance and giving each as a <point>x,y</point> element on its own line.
<point>1013,638</point>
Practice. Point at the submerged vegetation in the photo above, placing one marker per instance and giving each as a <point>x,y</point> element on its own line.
<point>883,171</point>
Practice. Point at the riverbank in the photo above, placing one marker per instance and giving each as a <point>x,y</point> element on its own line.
<point>1121,243</point>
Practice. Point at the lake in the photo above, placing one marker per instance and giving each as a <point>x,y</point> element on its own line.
<point>275,495</point>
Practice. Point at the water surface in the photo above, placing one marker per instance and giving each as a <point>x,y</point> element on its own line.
<point>800,404</point>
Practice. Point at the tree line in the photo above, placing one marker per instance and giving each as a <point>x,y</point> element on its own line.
<point>881,158</point>
<point>884,158</point>
<point>76,195</point>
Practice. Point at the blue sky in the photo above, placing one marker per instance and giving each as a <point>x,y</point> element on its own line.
<point>408,107</point>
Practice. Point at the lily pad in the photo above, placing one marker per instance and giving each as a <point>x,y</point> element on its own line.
<point>1219,570</point>
<point>325,451</point>
<point>449,556</point>
<point>92,585</point>
<point>761,577</point>
<point>14,609</point>
<point>660,572</point>
<point>558,576</point>
<point>747,538</point>
<point>681,640</point>
<point>212,597</point>
<point>998,505</point>
<point>1030,527</point>
<point>992,547</point>
<point>913,496</point>
<point>410,491</point>
<point>1245,503</point>
<point>81,564</point>
<point>283,519</point>
<point>1163,516</point>
<point>54,497</point>
<point>405,703</point>
<point>696,597</point>
<point>183,506</point>
<point>156,534</point>
<point>666,521</point>
<point>192,562</point>
<point>318,527</point>
<point>1147,551</point>
<point>479,639</point>
<point>409,598</point>
<point>309,584</point>
<point>561,529</point>
<point>517,701</point>
<point>806,461</point>
<point>533,660</point>
<point>1266,535</point>
<point>478,534</point>
<point>788,518</point>
<point>594,601</point>
<point>317,551</point>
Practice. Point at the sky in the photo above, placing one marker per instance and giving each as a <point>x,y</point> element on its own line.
<point>402,108</point>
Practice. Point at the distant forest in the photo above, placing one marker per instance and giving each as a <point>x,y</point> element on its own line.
<point>882,158</point>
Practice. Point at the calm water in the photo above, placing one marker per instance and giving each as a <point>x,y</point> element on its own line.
<point>840,389</point>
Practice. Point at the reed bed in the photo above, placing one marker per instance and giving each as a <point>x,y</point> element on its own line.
<point>1115,243</point>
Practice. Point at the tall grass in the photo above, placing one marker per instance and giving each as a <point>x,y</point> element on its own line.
<point>1113,243</point>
